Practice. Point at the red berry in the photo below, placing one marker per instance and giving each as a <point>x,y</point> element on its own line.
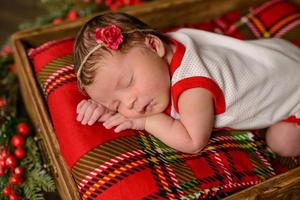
<point>72,15</point>
<point>13,68</point>
<point>3,152</point>
<point>108,2</point>
<point>3,102</point>
<point>10,161</point>
<point>13,197</point>
<point>2,162</point>
<point>116,5</point>
<point>16,180</point>
<point>57,20</point>
<point>126,2</point>
<point>7,50</point>
<point>20,152</point>
<point>7,191</point>
<point>23,128</point>
<point>135,2</point>
<point>18,140</point>
<point>18,171</point>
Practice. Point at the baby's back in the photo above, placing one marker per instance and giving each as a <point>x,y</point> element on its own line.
<point>260,79</point>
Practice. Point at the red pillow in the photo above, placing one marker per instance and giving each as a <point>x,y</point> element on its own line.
<point>54,68</point>
<point>131,164</point>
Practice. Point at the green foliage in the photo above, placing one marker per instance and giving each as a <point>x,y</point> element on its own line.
<point>38,179</point>
<point>8,88</point>
<point>6,132</point>
<point>5,63</point>
<point>54,5</point>
<point>3,183</point>
<point>47,19</point>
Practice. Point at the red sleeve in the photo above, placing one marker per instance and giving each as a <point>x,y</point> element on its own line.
<point>200,82</point>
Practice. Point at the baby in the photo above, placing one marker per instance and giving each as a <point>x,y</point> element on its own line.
<point>181,85</point>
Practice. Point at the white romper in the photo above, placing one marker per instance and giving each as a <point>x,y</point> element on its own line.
<point>255,83</point>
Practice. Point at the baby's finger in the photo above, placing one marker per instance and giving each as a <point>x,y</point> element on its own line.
<point>95,115</point>
<point>105,116</point>
<point>88,113</point>
<point>92,101</point>
<point>80,104</point>
<point>82,110</point>
<point>114,121</point>
<point>123,126</point>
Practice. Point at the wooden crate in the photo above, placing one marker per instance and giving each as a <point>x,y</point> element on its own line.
<point>160,14</point>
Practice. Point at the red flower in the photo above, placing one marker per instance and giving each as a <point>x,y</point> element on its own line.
<point>110,36</point>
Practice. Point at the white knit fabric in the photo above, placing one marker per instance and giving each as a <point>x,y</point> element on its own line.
<point>260,79</point>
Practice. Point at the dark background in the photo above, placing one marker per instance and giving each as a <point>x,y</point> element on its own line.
<point>15,12</point>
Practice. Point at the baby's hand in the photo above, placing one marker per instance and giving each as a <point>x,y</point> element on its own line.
<point>88,112</point>
<point>122,123</point>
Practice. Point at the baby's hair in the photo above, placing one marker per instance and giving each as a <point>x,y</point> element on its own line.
<point>134,32</point>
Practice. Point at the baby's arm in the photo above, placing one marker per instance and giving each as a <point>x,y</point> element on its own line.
<point>191,133</point>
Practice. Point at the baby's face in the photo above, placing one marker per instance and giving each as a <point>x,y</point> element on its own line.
<point>135,83</point>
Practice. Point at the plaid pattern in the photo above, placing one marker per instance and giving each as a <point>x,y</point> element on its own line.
<point>231,161</point>
<point>260,22</point>
<point>138,166</point>
<point>59,75</point>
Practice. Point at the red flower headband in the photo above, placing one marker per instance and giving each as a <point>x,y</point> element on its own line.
<point>109,37</point>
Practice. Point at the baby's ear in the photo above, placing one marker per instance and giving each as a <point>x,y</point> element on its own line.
<point>155,44</point>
